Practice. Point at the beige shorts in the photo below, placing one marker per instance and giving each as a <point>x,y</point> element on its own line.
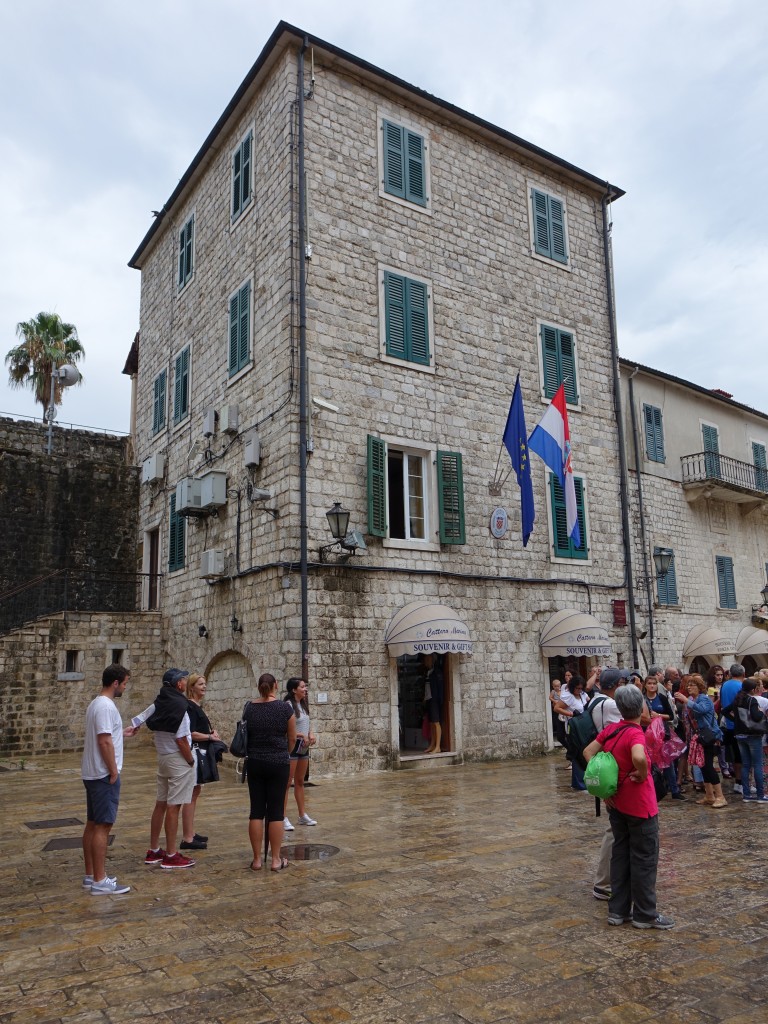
<point>175,779</point>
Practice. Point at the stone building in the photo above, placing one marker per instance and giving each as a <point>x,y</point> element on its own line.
<point>335,303</point>
<point>701,499</point>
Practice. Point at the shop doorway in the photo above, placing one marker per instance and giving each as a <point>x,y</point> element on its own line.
<point>699,666</point>
<point>413,673</point>
<point>559,665</point>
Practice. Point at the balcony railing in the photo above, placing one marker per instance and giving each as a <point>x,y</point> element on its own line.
<point>77,590</point>
<point>724,472</point>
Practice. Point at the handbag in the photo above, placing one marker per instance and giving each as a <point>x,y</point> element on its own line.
<point>707,735</point>
<point>696,752</point>
<point>748,722</point>
<point>239,745</point>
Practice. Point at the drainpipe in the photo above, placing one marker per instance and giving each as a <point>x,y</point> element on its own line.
<point>303,526</point>
<point>643,541</point>
<point>623,475</point>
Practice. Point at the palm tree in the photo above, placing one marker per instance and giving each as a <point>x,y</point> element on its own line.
<point>47,342</point>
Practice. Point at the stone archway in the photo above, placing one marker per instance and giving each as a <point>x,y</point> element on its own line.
<point>231,682</point>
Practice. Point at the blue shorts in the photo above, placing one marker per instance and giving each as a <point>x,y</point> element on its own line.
<point>102,798</point>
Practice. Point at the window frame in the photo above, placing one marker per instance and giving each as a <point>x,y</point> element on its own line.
<point>186,253</point>
<point>181,414</point>
<point>387,274</point>
<point>558,552</point>
<point>236,210</point>
<point>726,581</point>
<point>397,120</point>
<point>654,433</point>
<point>536,247</point>
<point>159,427</point>
<point>443,485</point>
<point>574,400</point>
<point>236,370</point>
<point>177,543</point>
<point>667,595</point>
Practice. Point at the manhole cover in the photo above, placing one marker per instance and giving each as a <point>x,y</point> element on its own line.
<point>310,851</point>
<point>75,843</point>
<point>53,823</point>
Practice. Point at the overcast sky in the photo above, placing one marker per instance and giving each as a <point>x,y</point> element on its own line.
<point>105,104</point>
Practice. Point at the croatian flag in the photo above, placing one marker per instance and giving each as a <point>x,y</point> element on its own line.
<point>551,440</point>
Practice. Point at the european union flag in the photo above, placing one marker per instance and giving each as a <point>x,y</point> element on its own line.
<point>516,442</point>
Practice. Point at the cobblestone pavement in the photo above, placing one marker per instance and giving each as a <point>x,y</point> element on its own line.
<point>460,895</point>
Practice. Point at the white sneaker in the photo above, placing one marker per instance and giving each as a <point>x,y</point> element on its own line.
<point>287,825</point>
<point>109,887</point>
<point>87,881</point>
<point>737,788</point>
<point>304,819</point>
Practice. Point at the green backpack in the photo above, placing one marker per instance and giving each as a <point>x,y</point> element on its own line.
<point>602,775</point>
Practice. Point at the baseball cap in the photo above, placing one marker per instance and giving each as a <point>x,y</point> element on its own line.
<point>173,675</point>
<point>610,678</point>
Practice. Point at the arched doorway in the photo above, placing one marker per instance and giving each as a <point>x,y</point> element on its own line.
<point>231,682</point>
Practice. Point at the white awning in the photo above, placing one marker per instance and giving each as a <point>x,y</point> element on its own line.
<point>576,634</point>
<point>751,641</point>
<point>706,642</point>
<point>425,628</point>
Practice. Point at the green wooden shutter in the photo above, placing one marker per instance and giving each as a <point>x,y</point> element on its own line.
<point>415,187</point>
<point>176,531</point>
<point>562,544</point>
<point>666,586</point>
<point>567,351</point>
<point>185,252</point>
<point>158,402</point>
<point>450,489</point>
<point>395,315</point>
<point>417,339</point>
<point>541,237</point>
<point>244,337</point>
<point>182,256</point>
<point>761,467</point>
<point>557,229</point>
<point>377,489</point>
<point>394,160</point>
<point>551,361</point>
<point>234,326</point>
<point>237,174</point>
<point>725,581</point>
<point>711,441</point>
<point>245,177</point>
<point>654,434</point>
<point>181,386</point>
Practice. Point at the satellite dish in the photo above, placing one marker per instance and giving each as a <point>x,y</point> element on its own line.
<point>69,375</point>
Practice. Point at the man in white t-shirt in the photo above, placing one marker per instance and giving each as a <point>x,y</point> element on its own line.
<point>605,712</point>
<point>101,766</point>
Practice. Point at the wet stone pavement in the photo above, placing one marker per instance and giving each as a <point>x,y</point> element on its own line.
<point>459,895</point>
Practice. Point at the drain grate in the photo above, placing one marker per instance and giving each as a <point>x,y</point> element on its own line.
<point>53,823</point>
<point>75,843</point>
<point>310,851</point>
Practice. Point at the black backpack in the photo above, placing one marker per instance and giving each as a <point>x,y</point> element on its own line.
<point>581,731</point>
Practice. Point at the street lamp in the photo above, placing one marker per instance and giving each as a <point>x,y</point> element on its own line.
<point>66,376</point>
<point>662,563</point>
<point>344,541</point>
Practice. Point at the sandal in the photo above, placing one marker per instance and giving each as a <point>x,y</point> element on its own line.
<point>255,867</point>
<point>283,864</point>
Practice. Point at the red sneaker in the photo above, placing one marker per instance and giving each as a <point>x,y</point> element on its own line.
<point>154,856</point>
<point>178,860</point>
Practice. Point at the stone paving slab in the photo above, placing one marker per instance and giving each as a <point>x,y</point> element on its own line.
<point>460,896</point>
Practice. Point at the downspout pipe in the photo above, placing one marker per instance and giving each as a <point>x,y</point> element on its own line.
<point>639,485</point>
<point>623,475</point>
<point>303,384</point>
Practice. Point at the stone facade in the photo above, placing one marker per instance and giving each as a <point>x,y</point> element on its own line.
<point>702,509</point>
<point>488,295</point>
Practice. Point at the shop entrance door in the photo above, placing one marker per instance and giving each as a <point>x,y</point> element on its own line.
<point>412,672</point>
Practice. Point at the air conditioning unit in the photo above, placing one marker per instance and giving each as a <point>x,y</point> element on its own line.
<point>252,452</point>
<point>188,497</point>
<point>153,469</point>
<point>229,420</point>
<point>213,490</point>
<point>212,563</point>
<point>209,422</point>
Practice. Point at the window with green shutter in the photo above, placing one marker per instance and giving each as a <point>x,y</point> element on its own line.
<point>186,239</point>
<point>450,491</point>
<point>242,160</point>
<point>654,434</point>
<point>240,329</point>
<point>549,226</point>
<point>404,164</point>
<point>711,440</point>
<point>666,586</point>
<point>558,356</point>
<point>377,487</point>
<point>181,386</point>
<point>159,392</point>
<point>726,585</point>
<point>176,537</point>
<point>761,467</point>
<point>562,544</point>
<point>406,319</point>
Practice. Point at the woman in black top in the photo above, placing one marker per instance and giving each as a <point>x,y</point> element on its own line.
<point>202,732</point>
<point>271,734</point>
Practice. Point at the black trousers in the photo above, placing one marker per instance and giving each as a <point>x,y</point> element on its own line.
<point>634,862</point>
<point>267,784</point>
